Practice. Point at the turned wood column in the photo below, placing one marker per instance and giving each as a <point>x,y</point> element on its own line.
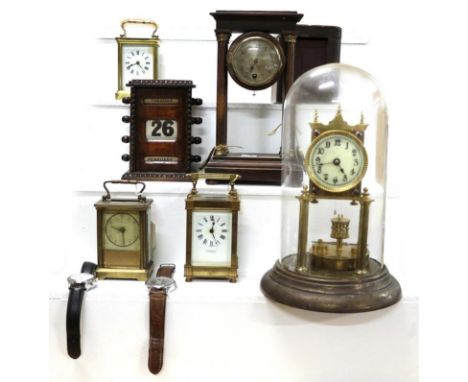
<point>290,40</point>
<point>222,91</point>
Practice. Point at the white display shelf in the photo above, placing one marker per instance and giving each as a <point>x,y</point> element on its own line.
<point>219,331</point>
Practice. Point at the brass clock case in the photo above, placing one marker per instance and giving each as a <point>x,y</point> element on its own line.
<point>124,236</point>
<point>309,166</point>
<point>150,45</point>
<point>214,204</point>
<point>262,71</point>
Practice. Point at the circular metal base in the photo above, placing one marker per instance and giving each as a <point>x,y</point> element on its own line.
<point>338,292</point>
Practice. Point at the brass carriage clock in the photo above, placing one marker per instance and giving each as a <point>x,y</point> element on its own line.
<point>255,60</point>
<point>333,195</point>
<point>125,235</point>
<point>137,57</point>
<point>211,245</point>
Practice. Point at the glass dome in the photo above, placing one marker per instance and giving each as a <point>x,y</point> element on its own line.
<point>334,152</point>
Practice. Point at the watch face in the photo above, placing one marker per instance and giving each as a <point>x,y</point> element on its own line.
<point>138,63</point>
<point>121,231</point>
<point>255,60</point>
<point>336,161</point>
<point>161,282</point>
<point>86,280</point>
<point>211,238</point>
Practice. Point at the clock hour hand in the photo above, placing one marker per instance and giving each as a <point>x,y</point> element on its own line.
<point>212,230</point>
<point>337,163</point>
<point>255,62</point>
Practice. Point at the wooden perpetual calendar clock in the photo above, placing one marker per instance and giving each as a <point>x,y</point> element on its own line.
<point>161,130</point>
<point>255,60</point>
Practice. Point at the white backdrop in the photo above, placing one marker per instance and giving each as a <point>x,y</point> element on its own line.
<point>59,107</point>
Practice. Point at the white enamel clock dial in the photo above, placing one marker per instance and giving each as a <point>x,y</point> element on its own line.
<point>137,63</point>
<point>121,231</point>
<point>336,161</point>
<point>211,238</point>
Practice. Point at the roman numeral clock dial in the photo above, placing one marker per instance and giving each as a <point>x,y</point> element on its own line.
<point>137,64</point>
<point>211,244</point>
<point>336,161</point>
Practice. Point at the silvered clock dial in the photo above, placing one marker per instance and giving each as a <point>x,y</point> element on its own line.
<point>255,60</point>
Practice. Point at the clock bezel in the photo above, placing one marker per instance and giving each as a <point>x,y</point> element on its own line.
<point>313,178</point>
<point>237,44</point>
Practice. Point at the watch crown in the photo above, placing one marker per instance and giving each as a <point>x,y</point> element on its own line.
<point>126,118</point>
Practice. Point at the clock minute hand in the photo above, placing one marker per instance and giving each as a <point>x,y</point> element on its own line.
<point>337,163</point>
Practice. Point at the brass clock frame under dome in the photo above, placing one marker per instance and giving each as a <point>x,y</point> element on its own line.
<point>334,173</point>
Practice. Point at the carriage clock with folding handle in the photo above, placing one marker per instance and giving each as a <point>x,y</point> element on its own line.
<point>255,60</point>
<point>137,56</point>
<point>212,220</point>
<point>125,234</point>
<point>161,130</point>
<point>333,195</point>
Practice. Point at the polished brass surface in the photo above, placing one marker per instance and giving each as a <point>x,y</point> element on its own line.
<point>301,265</point>
<point>316,142</point>
<point>127,259</point>
<point>201,272</point>
<point>127,274</point>
<point>339,231</point>
<point>337,256</point>
<point>122,41</point>
<point>327,255</point>
<point>133,261</point>
<point>123,181</point>
<point>198,201</point>
<point>123,23</point>
<point>364,202</point>
<point>338,123</point>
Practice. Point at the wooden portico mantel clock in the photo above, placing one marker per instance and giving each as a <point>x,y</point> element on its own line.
<point>255,60</point>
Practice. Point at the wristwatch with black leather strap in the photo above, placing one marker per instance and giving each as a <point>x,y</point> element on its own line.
<point>77,285</point>
<point>159,287</point>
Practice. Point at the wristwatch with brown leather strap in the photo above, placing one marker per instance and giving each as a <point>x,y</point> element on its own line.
<point>159,287</point>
